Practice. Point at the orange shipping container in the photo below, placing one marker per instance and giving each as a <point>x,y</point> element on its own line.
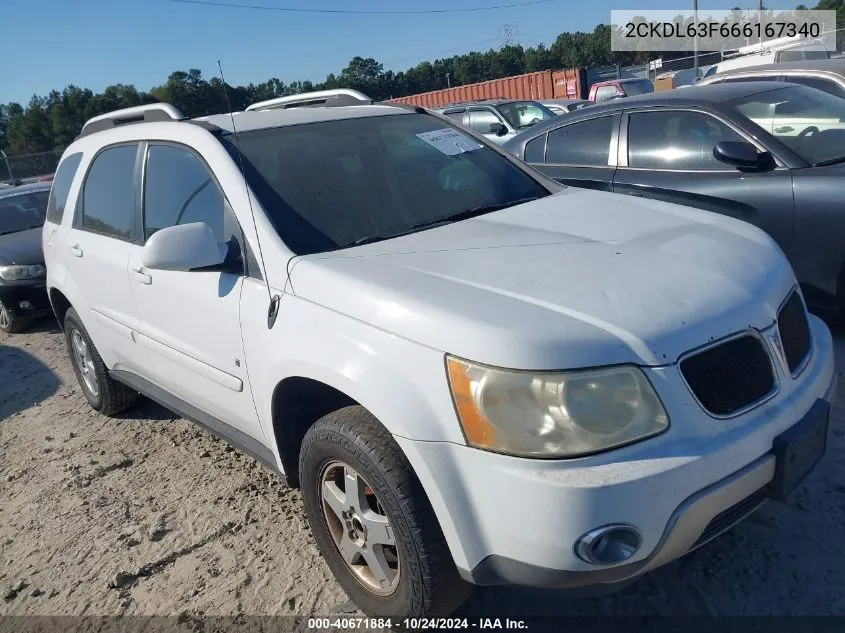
<point>546,84</point>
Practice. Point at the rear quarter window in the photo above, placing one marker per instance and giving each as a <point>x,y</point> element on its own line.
<point>61,187</point>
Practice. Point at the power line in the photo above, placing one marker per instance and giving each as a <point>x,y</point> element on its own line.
<point>442,52</point>
<point>232,5</point>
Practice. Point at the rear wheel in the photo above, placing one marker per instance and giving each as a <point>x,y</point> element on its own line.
<point>372,520</point>
<point>10,322</point>
<point>103,393</point>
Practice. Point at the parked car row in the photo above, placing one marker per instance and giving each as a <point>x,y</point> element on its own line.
<point>23,296</point>
<point>771,154</point>
<point>476,375</point>
<point>498,120</point>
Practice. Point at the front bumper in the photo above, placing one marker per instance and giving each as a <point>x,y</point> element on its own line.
<point>26,298</point>
<point>512,520</point>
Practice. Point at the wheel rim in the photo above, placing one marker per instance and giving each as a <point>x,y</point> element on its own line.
<point>4,317</point>
<point>84,362</point>
<point>360,528</point>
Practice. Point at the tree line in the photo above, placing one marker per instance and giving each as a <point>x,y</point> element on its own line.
<point>51,122</point>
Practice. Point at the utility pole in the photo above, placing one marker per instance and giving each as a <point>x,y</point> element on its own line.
<point>448,83</point>
<point>506,34</point>
<point>695,39</point>
<point>8,166</point>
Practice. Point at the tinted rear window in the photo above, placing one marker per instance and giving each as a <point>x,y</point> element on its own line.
<point>61,187</point>
<point>326,185</point>
<point>108,198</point>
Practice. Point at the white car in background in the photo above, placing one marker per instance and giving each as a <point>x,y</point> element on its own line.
<point>475,375</point>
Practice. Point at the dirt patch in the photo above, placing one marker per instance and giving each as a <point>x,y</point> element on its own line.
<point>149,514</point>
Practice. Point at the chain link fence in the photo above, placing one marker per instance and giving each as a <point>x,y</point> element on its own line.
<point>28,167</point>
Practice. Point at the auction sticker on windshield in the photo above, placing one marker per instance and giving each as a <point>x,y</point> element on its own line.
<point>449,141</point>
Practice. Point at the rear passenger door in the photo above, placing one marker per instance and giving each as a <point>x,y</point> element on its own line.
<point>668,155</point>
<point>579,154</point>
<point>189,322</point>
<point>105,226</point>
<point>64,190</point>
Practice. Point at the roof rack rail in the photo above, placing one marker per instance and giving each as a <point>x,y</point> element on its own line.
<point>320,98</point>
<point>127,116</point>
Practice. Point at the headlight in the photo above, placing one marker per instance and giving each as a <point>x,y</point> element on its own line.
<point>16,273</point>
<point>554,414</point>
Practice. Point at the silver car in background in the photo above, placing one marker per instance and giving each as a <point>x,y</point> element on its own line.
<point>498,120</point>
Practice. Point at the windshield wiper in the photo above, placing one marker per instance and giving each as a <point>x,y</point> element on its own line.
<point>472,213</point>
<point>832,161</point>
<point>457,217</point>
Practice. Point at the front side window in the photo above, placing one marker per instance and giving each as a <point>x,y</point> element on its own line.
<point>61,187</point>
<point>180,190</point>
<point>108,196</point>
<point>22,211</point>
<point>524,114</point>
<point>481,121</point>
<point>586,143</point>
<point>676,140</point>
<point>810,122</point>
<point>335,184</point>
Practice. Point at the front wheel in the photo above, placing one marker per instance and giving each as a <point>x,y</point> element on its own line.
<point>10,322</point>
<point>372,520</point>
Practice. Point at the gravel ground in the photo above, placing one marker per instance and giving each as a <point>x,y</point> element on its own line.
<point>150,515</point>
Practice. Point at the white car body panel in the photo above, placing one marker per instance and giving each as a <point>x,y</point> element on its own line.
<point>577,279</point>
<point>585,281</point>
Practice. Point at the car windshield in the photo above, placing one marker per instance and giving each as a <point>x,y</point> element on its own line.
<point>523,114</point>
<point>808,121</point>
<point>639,87</point>
<point>335,184</point>
<point>21,211</point>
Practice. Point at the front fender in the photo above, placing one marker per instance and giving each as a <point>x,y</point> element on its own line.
<point>400,382</point>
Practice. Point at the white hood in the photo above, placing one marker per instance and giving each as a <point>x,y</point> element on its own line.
<point>577,279</point>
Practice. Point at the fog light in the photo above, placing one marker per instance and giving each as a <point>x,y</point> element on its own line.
<point>608,545</point>
<point>25,305</point>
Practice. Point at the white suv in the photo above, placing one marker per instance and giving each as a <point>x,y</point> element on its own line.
<point>475,375</point>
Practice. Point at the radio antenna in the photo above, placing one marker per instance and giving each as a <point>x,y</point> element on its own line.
<point>273,310</point>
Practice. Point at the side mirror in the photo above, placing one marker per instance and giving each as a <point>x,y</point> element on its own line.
<point>183,247</point>
<point>498,129</point>
<point>742,155</point>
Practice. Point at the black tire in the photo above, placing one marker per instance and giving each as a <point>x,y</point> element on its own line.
<point>429,583</point>
<point>112,397</point>
<point>10,322</point>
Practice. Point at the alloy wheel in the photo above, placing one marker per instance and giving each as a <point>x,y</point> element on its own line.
<point>360,528</point>
<point>84,362</point>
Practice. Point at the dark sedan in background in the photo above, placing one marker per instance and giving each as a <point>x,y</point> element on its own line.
<point>22,273</point>
<point>771,154</point>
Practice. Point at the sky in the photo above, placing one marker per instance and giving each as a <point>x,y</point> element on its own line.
<point>95,43</point>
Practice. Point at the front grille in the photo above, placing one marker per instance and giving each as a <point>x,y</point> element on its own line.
<point>730,376</point>
<point>730,517</point>
<point>794,331</point>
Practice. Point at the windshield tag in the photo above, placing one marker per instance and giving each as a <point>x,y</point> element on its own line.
<point>449,141</point>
